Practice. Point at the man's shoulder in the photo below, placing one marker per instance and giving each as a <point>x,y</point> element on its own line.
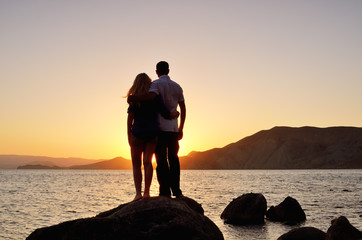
<point>166,80</point>
<point>155,82</point>
<point>154,87</point>
<point>178,86</point>
<point>175,83</point>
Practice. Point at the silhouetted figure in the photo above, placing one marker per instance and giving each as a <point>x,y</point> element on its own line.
<point>142,130</point>
<point>168,164</point>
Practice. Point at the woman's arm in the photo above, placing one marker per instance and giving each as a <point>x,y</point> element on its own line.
<point>138,98</point>
<point>129,126</point>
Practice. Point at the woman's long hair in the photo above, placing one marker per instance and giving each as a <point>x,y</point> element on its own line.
<point>141,85</point>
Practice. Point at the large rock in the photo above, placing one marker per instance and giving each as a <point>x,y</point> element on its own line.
<point>247,209</point>
<point>303,233</point>
<point>342,229</point>
<point>289,212</point>
<point>152,218</point>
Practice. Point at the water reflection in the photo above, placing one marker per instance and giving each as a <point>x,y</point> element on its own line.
<point>30,199</point>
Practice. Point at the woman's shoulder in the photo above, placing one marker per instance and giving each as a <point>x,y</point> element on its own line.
<point>132,107</point>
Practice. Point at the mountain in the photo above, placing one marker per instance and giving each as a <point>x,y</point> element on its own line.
<point>115,163</point>
<point>38,166</point>
<point>14,161</point>
<point>276,148</point>
<point>285,148</point>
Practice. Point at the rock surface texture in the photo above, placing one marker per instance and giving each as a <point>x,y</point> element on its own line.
<point>247,209</point>
<point>289,212</point>
<point>152,218</point>
<point>342,229</point>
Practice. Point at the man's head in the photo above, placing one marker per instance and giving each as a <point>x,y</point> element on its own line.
<point>162,68</point>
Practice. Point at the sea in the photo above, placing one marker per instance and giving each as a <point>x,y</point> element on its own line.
<point>31,199</point>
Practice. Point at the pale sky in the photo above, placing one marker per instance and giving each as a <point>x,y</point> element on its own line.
<point>244,66</point>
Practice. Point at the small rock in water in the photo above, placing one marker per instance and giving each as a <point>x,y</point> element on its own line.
<point>247,209</point>
<point>289,211</point>
<point>342,229</point>
<point>303,233</point>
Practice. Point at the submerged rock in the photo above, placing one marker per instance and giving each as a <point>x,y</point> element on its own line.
<point>341,228</point>
<point>152,218</point>
<point>303,233</point>
<point>247,209</point>
<point>289,211</point>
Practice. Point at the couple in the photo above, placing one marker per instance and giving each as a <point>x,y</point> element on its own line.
<point>152,127</point>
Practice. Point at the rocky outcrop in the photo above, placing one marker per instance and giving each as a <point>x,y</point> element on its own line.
<point>289,212</point>
<point>247,209</point>
<point>303,233</point>
<point>342,229</point>
<point>152,218</point>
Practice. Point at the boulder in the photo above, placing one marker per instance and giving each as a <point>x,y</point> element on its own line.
<point>289,212</point>
<point>247,209</point>
<point>303,233</point>
<point>151,218</point>
<point>342,229</point>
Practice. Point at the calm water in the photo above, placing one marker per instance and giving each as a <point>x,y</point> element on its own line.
<point>31,199</point>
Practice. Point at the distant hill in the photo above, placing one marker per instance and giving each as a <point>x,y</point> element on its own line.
<point>277,148</point>
<point>115,163</point>
<point>14,161</point>
<point>285,148</point>
<point>37,166</point>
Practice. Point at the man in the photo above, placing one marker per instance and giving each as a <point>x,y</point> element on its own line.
<point>168,164</point>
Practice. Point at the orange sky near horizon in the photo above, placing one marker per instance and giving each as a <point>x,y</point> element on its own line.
<point>244,66</point>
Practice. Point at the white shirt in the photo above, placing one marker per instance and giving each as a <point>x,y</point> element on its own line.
<point>171,94</point>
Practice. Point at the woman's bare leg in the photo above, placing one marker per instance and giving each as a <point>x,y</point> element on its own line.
<point>148,168</point>
<point>136,153</point>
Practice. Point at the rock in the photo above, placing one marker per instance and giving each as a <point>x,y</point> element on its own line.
<point>247,209</point>
<point>152,218</point>
<point>342,229</point>
<point>289,212</point>
<point>303,233</point>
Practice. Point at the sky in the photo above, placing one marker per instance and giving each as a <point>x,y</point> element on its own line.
<point>244,66</point>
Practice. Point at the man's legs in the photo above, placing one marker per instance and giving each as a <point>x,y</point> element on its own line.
<point>162,168</point>
<point>173,147</point>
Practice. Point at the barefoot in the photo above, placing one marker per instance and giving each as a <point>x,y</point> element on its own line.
<point>137,197</point>
<point>146,195</point>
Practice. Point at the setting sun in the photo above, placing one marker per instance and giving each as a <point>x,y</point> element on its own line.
<point>242,71</point>
<point>272,92</point>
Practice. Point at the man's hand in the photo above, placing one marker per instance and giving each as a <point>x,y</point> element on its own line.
<point>174,114</point>
<point>180,135</point>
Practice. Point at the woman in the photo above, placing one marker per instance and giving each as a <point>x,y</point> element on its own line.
<point>142,129</point>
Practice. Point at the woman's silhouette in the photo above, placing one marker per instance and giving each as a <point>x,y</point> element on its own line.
<point>142,130</point>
